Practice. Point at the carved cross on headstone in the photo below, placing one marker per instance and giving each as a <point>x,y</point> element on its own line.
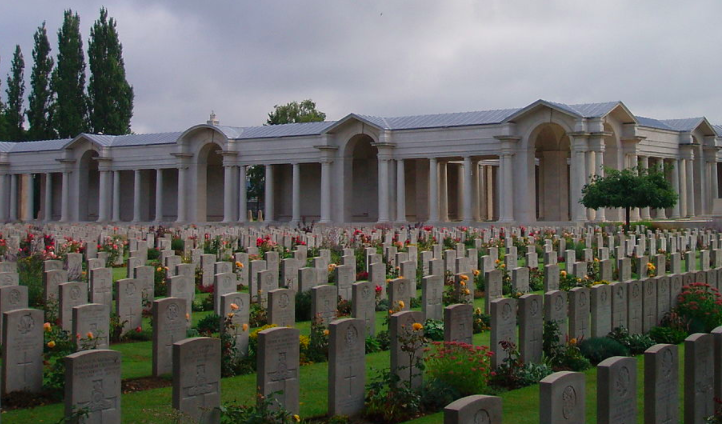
<point>350,378</point>
<point>25,363</point>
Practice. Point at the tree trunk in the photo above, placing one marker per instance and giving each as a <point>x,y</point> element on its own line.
<point>626,217</point>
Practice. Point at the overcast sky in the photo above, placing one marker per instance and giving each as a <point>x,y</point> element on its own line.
<point>395,57</point>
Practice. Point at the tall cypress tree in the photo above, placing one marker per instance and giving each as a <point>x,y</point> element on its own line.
<point>40,98</point>
<point>14,117</point>
<point>69,114</point>
<point>3,130</point>
<point>109,94</point>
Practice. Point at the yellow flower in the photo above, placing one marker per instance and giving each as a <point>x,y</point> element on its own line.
<point>296,418</point>
<point>234,306</point>
<point>245,327</point>
<point>417,326</point>
<point>325,332</point>
<point>563,273</point>
<point>230,315</point>
<point>476,273</point>
<point>159,269</point>
<point>462,283</point>
<point>239,265</point>
<point>47,326</point>
<point>401,304</point>
<point>573,341</point>
<point>477,311</point>
<point>51,344</point>
<point>503,265</point>
<point>497,261</point>
<point>89,335</point>
<point>464,277</point>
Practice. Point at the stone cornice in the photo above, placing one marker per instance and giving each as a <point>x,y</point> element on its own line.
<point>507,137</point>
<point>325,147</point>
<point>64,160</point>
<point>182,155</point>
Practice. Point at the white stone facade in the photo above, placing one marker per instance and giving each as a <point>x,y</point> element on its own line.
<point>513,166</point>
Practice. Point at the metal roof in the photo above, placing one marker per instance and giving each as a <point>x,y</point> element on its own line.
<point>441,120</point>
<point>39,146</point>
<point>685,124</point>
<point>653,123</point>
<point>284,130</point>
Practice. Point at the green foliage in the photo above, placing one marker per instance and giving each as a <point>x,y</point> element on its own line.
<point>58,345</point>
<point>667,335</point>
<point>562,356</point>
<point>178,245</point>
<point>110,97</point>
<point>629,188</point>
<point>372,345</point>
<point>153,254</point>
<point>69,112</point>
<point>701,306</point>
<point>318,345</point>
<point>266,410</point>
<point>598,349</point>
<point>295,112</point>
<point>481,322</point>
<point>465,368</point>
<point>40,99</point>
<point>389,400</point>
<point>434,330</point>
<point>30,273</point>
<point>258,315</point>
<point>209,324</point>
<point>15,91</point>
<point>513,373</point>
<point>636,343</point>
<point>303,306</point>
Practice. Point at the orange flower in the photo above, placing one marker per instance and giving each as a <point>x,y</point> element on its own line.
<point>51,344</point>
<point>188,317</point>
<point>417,326</point>
<point>47,327</point>
<point>476,273</point>
<point>234,306</point>
<point>401,304</point>
<point>245,327</point>
<point>325,332</point>
<point>89,335</point>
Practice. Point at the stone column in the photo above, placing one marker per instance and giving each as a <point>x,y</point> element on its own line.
<point>400,192</point>
<point>268,212</point>
<point>579,176</point>
<point>590,157</point>
<point>681,171</point>
<point>29,199</point>
<point>137,181</point>
<point>325,192</point>
<point>4,201</point>
<point>715,183</point>
<point>182,186</point>
<point>644,164</point>
<point>392,190</point>
<point>64,201</point>
<point>468,197</point>
<point>242,194</point>
<point>103,196</point>
<point>443,192</point>
<point>227,193</point>
<point>433,191</point>
<point>661,212</point>
<point>475,191</point>
<point>599,170</point>
<point>48,209</point>
<point>506,195</point>
<point>296,195</point>
<point>159,195</point>
<point>691,212</point>
<point>483,206</point>
<point>383,190</point>
<point>633,162</point>
<point>116,196</point>
<point>13,197</point>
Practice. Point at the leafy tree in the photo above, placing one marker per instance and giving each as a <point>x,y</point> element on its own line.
<point>40,99</point>
<point>110,97</point>
<point>3,129</point>
<point>290,113</point>
<point>629,188</point>
<point>68,80</point>
<point>295,112</point>
<point>15,91</point>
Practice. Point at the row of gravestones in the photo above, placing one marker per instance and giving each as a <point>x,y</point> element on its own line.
<point>562,396</point>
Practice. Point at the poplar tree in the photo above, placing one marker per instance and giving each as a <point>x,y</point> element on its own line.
<point>3,135</point>
<point>40,99</point>
<point>69,112</point>
<point>110,97</point>
<point>15,91</point>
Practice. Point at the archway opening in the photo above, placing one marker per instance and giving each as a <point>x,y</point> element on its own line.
<point>210,180</point>
<point>363,179</point>
<point>552,153</point>
<point>89,187</point>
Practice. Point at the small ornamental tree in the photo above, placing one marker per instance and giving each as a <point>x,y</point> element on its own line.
<point>629,188</point>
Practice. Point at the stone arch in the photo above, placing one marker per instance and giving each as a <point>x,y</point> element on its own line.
<point>551,151</point>
<point>88,186</point>
<point>209,181</point>
<point>361,179</point>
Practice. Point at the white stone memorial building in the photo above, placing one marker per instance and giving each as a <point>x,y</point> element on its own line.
<point>515,165</point>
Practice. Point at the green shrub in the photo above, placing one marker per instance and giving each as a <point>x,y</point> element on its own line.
<point>598,349</point>
<point>177,244</point>
<point>434,330</point>
<point>264,410</point>
<point>463,367</point>
<point>701,305</point>
<point>383,305</point>
<point>562,356</point>
<point>303,306</point>
<point>372,344</point>
<point>636,343</point>
<point>209,324</point>
<point>667,335</point>
<point>513,373</point>
<point>153,254</point>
